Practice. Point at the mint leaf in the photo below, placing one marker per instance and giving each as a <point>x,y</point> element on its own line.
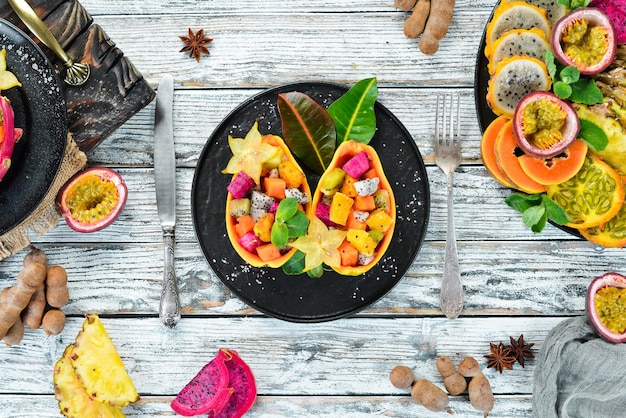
<point>532,215</point>
<point>548,57</point>
<point>521,202</point>
<point>295,264</point>
<point>286,209</point>
<point>593,135</point>
<point>540,224</point>
<point>569,74</point>
<point>586,91</point>
<point>297,225</point>
<point>555,212</point>
<point>279,234</point>
<point>562,90</point>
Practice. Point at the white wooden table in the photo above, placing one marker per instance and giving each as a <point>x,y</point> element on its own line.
<point>515,282</point>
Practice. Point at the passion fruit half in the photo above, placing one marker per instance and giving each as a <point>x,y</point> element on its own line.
<point>92,199</point>
<point>585,39</point>
<point>544,125</point>
<point>606,306</point>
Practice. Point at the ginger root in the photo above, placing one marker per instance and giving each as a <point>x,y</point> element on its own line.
<point>441,12</point>
<point>415,24</point>
<point>453,381</point>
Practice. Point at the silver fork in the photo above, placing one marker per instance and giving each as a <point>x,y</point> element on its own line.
<point>448,157</point>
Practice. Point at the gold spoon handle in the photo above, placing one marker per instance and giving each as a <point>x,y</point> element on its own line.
<point>39,28</point>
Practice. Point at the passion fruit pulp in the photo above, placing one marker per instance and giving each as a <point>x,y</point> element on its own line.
<point>606,306</point>
<point>585,39</point>
<point>92,199</point>
<point>544,125</point>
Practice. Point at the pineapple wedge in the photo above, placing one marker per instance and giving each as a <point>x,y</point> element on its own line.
<point>74,402</point>
<point>99,366</point>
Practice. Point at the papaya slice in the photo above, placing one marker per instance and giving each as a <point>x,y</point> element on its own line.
<point>488,150</point>
<point>557,169</point>
<point>592,197</point>
<point>280,162</point>
<point>374,239</point>
<point>507,153</point>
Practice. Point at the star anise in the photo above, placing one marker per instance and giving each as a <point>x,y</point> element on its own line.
<point>520,349</point>
<point>500,357</point>
<point>196,44</point>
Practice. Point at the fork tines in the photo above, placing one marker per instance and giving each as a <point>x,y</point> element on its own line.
<point>449,104</point>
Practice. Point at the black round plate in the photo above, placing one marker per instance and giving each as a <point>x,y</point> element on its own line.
<point>301,298</point>
<point>485,115</point>
<point>39,107</point>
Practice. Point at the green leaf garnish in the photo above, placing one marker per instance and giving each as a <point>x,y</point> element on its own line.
<point>353,113</point>
<point>286,209</point>
<point>574,4</point>
<point>562,90</point>
<point>289,222</point>
<point>297,224</point>
<point>593,135</point>
<point>568,84</point>
<point>295,264</point>
<point>586,91</point>
<point>536,209</point>
<point>308,130</point>
<point>279,234</point>
<point>569,75</point>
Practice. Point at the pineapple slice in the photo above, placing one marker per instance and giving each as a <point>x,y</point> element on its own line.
<point>99,366</point>
<point>72,396</point>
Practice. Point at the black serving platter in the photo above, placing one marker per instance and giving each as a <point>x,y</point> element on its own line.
<point>301,298</point>
<point>39,107</point>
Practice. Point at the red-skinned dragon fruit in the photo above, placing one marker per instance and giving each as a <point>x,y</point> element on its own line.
<point>224,388</point>
<point>357,165</point>
<point>241,380</point>
<point>616,11</point>
<point>207,392</point>
<point>10,136</point>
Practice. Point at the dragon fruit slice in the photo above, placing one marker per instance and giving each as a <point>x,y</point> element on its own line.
<point>250,241</point>
<point>241,379</point>
<point>207,392</point>
<point>240,185</point>
<point>300,196</point>
<point>10,136</point>
<point>357,165</point>
<point>616,11</point>
<point>366,187</point>
<point>360,215</point>
<point>322,211</point>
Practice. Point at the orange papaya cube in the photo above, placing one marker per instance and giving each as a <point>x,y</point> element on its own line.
<point>362,241</point>
<point>244,224</point>
<point>293,176</point>
<point>366,203</point>
<point>353,223</point>
<point>379,220</point>
<point>263,227</point>
<point>349,254</point>
<point>370,174</point>
<point>347,187</point>
<point>340,208</point>
<point>267,252</point>
<point>274,187</point>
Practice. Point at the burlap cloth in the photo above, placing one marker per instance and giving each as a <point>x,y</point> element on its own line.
<point>578,374</point>
<point>45,216</point>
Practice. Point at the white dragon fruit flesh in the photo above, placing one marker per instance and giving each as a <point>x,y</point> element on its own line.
<point>300,196</point>
<point>366,187</point>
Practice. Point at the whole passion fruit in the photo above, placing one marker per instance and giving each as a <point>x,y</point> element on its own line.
<point>92,199</point>
<point>606,306</point>
<point>585,39</point>
<point>544,125</point>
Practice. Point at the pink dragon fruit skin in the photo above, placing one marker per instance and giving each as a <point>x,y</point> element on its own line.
<point>357,165</point>
<point>207,392</point>
<point>241,380</point>
<point>616,11</point>
<point>11,135</point>
<point>250,241</point>
<point>274,207</point>
<point>240,185</point>
<point>322,211</point>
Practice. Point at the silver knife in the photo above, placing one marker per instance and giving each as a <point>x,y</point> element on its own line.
<point>165,179</point>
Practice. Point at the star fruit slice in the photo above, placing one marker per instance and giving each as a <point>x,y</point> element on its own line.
<point>7,78</point>
<point>320,245</point>
<point>249,154</point>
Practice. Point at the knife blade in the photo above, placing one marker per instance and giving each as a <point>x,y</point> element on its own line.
<point>165,181</point>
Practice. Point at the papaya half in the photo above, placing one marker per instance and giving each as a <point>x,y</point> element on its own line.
<point>251,204</point>
<point>354,195</point>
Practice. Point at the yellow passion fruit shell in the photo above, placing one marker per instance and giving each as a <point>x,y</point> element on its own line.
<point>92,199</point>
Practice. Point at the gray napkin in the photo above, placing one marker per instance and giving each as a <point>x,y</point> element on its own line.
<point>579,375</point>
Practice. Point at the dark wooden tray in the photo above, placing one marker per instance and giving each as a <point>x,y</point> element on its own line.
<point>115,90</point>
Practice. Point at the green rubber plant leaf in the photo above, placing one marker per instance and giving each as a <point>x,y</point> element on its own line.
<point>353,112</point>
<point>308,130</point>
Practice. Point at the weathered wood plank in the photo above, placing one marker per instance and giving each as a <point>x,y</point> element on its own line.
<point>343,357</point>
<point>45,406</point>
<point>500,278</point>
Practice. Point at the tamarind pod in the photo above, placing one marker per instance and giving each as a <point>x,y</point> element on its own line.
<point>57,293</point>
<point>13,302</point>
<point>439,19</point>
<point>415,24</point>
<point>469,367</point>
<point>53,322</point>
<point>481,394</point>
<point>35,255</point>
<point>33,314</point>
<point>31,277</point>
<point>15,333</point>
<point>404,5</point>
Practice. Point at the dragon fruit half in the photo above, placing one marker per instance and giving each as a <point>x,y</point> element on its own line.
<point>241,380</point>
<point>616,11</point>
<point>207,391</point>
<point>11,136</point>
